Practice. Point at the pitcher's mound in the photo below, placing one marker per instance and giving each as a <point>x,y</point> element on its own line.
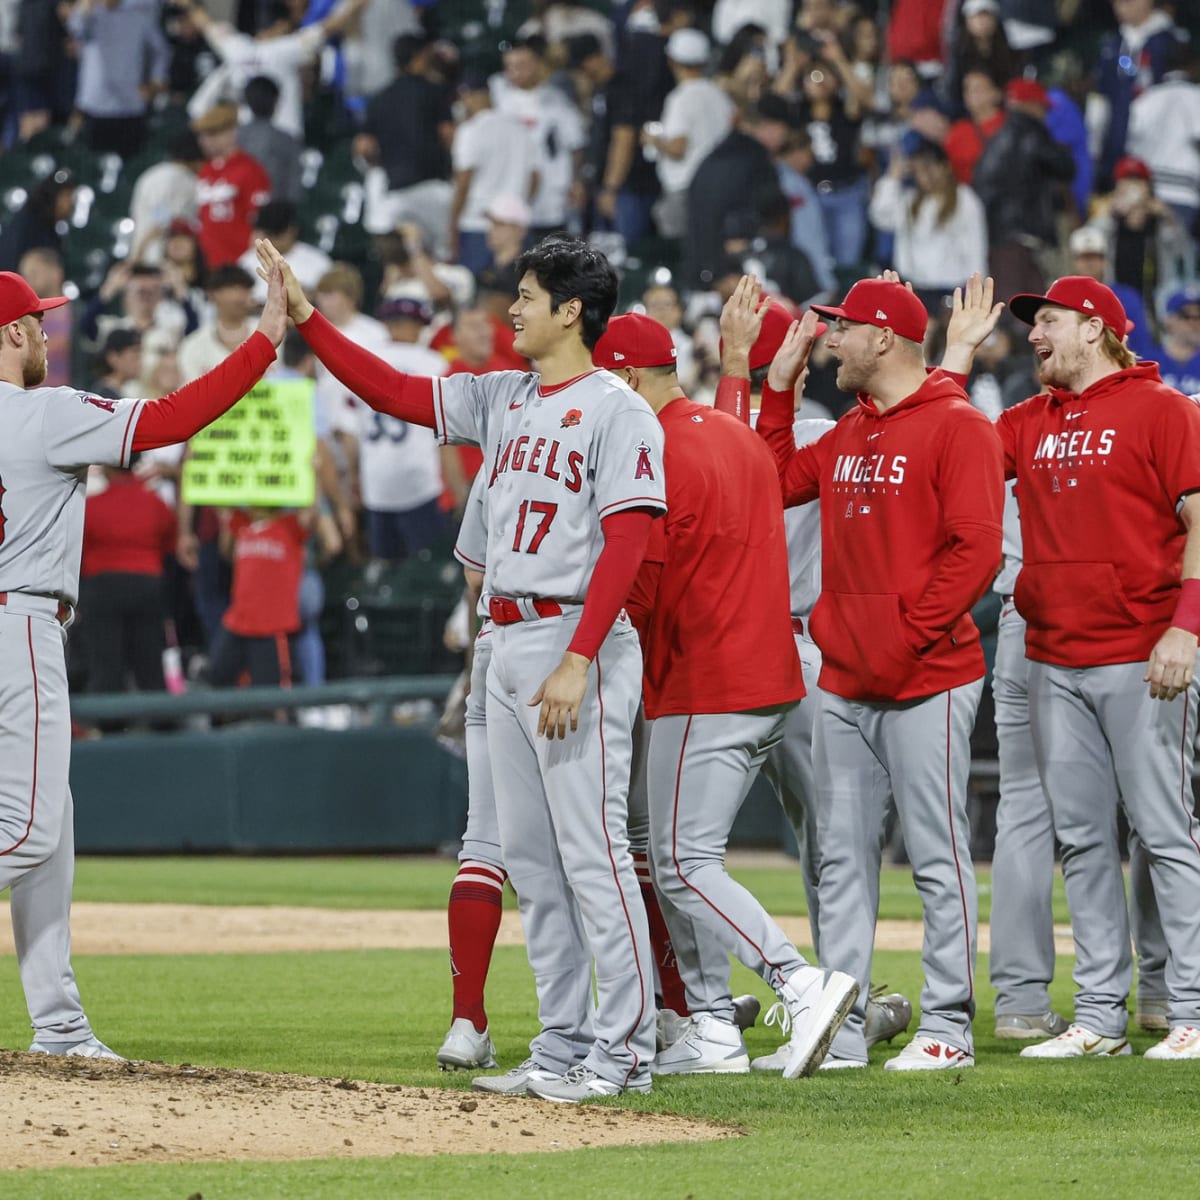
<point>60,1112</point>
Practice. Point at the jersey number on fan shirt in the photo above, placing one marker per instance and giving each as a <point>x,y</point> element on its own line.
<point>538,508</point>
<point>384,426</point>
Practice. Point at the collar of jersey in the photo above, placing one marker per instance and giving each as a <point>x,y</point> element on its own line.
<point>558,387</point>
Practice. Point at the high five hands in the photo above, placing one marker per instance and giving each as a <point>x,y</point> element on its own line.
<point>269,260</point>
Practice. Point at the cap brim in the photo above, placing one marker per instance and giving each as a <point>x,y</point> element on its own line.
<point>834,314</point>
<point>52,302</point>
<point>1025,305</point>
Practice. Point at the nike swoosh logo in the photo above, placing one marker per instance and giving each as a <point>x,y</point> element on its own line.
<point>871,437</point>
<point>1088,1047</point>
<point>514,407</point>
<point>1074,416</point>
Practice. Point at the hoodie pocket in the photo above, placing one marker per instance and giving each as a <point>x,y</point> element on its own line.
<point>1085,596</point>
<point>865,637</point>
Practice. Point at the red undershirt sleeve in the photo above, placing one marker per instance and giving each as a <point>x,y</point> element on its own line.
<point>185,412</point>
<point>625,536</point>
<point>733,397</point>
<point>377,383</point>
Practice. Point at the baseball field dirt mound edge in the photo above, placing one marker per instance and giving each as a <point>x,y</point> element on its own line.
<point>64,1112</point>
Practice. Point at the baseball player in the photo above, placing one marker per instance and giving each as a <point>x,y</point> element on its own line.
<point>1107,464</point>
<point>912,487</point>
<point>752,331</point>
<point>721,676</point>
<point>575,479</point>
<point>475,907</point>
<point>51,436</point>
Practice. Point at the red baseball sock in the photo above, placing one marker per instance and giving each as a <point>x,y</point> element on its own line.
<point>670,982</point>
<point>474,918</point>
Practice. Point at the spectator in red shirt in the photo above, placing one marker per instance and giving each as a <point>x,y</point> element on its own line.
<point>984,102</point>
<point>258,629</point>
<point>127,532</point>
<point>231,188</point>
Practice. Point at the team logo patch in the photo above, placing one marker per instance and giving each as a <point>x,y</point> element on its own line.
<point>109,406</point>
<point>644,469</point>
<point>571,418</point>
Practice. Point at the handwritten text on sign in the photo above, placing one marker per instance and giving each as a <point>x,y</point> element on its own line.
<point>259,453</point>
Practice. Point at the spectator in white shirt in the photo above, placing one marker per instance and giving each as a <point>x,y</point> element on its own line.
<point>394,467</point>
<point>492,155</point>
<point>939,223</point>
<point>230,291</point>
<point>163,194</point>
<point>278,221</point>
<point>280,51</point>
<point>556,126</point>
<point>697,115</point>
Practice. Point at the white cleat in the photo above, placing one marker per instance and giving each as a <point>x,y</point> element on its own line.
<point>669,1027</point>
<point>1030,1027</point>
<point>580,1083</point>
<point>1182,1042</point>
<point>925,1053</point>
<point>840,1064</point>
<point>91,1047</point>
<point>1152,1015</point>
<point>710,1047</point>
<point>466,1049</point>
<point>812,1006</point>
<point>1079,1042</point>
<point>514,1082</point>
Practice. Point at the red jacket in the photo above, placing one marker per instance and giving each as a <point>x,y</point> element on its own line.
<point>1099,476</point>
<point>127,530</point>
<point>712,602</point>
<point>229,193</point>
<point>911,509</point>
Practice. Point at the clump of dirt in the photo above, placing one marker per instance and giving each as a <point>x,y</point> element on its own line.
<point>61,1112</point>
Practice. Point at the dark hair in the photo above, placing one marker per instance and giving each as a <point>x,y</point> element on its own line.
<point>262,96</point>
<point>773,207</point>
<point>758,377</point>
<point>141,270</point>
<point>582,47</point>
<point>295,349</point>
<point>533,42</point>
<point>664,10</point>
<point>406,47</point>
<point>276,216</point>
<point>569,269</point>
<point>228,275</point>
<point>743,42</point>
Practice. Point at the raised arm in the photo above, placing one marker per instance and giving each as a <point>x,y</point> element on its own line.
<point>799,469</point>
<point>741,323</point>
<point>377,383</point>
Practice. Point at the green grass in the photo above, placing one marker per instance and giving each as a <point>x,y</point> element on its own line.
<point>407,882</point>
<point>1007,1129</point>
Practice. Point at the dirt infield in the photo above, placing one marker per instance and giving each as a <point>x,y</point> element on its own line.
<point>59,1112</point>
<point>211,929</point>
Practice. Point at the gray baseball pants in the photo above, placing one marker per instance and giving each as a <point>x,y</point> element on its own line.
<point>1022,925</point>
<point>37,832</point>
<point>562,808</point>
<point>481,840</point>
<point>1101,741</point>
<point>789,769</point>
<point>919,754</point>
<point>699,770</point>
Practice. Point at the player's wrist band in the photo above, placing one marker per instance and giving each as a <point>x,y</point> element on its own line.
<point>1187,611</point>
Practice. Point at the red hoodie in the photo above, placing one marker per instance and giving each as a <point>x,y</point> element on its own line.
<point>1099,476</point>
<point>912,503</point>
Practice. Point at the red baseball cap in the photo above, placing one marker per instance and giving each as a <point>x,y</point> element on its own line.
<point>1027,91</point>
<point>635,340</point>
<point>1079,293</point>
<point>884,304</point>
<point>18,299</point>
<point>1129,167</point>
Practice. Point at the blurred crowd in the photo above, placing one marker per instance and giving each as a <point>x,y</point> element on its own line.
<point>402,154</point>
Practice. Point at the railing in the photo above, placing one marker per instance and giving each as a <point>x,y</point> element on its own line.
<point>377,695</point>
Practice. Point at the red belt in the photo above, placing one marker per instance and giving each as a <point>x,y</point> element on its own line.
<point>508,612</point>
<point>62,616</point>
<point>797,625</point>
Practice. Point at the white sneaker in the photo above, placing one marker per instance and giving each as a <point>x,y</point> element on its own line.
<point>813,1004</point>
<point>580,1083</point>
<point>840,1064</point>
<point>709,1047</point>
<point>669,1027</point>
<point>466,1049</point>
<point>1079,1042</point>
<point>925,1053</point>
<point>90,1047</point>
<point>514,1082</point>
<point>773,1062</point>
<point>1182,1042</point>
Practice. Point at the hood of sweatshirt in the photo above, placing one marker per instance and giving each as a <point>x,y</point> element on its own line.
<point>937,386</point>
<point>1142,372</point>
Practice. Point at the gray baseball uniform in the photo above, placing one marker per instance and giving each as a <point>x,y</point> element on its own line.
<point>1022,925</point>
<point>559,460</point>
<point>51,435</point>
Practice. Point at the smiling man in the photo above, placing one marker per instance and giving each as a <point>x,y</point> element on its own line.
<point>911,502</point>
<point>1107,464</point>
<point>575,478</point>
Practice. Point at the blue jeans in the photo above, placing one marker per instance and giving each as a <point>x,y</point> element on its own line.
<point>633,216</point>
<point>310,650</point>
<point>473,252</point>
<point>845,212</point>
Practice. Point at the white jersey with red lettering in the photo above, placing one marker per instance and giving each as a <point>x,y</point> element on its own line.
<point>558,461</point>
<point>51,437</point>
